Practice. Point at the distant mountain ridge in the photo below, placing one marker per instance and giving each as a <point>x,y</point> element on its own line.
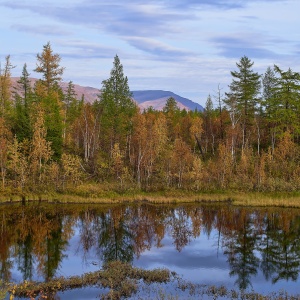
<point>158,98</point>
<point>145,98</point>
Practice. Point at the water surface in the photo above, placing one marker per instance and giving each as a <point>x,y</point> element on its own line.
<point>242,248</point>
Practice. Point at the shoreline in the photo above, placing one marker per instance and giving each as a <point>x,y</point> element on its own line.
<point>258,199</point>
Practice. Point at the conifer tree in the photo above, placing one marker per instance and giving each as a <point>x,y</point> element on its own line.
<point>268,82</point>
<point>5,138</point>
<point>71,109</point>
<point>48,64</point>
<point>50,94</point>
<point>172,113</point>
<point>286,100</point>
<point>22,126</point>
<point>245,88</point>
<point>269,103</point>
<point>208,125</point>
<point>5,87</point>
<point>24,83</point>
<point>117,107</point>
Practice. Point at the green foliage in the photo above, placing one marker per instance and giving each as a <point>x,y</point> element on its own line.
<point>23,105</point>
<point>269,83</point>
<point>243,95</point>
<point>53,123</point>
<point>116,106</point>
<point>50,94</point>
<point>283,106</point>
<point>72,106</point>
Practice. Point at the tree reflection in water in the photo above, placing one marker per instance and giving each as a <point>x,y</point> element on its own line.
<point>35,238</point>
<point>239,245</point>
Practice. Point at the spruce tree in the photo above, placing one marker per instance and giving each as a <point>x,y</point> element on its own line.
<point>245,88</point>
<point>269,105</point>
<point>286,99</point>
<point>22,126</point>
<point>71,109</point>
<point>117,107</point>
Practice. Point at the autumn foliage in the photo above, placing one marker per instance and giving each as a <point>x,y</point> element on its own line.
<point>51,140</point>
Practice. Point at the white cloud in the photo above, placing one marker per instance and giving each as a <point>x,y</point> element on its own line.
<point>187,46</point>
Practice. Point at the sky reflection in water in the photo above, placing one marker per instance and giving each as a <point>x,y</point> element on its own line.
<point>221,245</point>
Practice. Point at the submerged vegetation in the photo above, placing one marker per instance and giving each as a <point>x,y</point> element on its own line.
<point>119,280</point>
<point>53,143</point>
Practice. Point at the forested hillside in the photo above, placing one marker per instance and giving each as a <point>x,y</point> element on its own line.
<point>51,140</point>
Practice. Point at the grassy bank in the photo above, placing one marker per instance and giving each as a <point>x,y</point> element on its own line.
<point>107,193</point>
<point>98,194</point>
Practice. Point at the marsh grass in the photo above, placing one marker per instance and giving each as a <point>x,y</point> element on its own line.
<point>119,280</point>
<point>109,193</point>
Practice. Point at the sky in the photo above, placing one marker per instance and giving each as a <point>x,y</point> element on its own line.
<point>187,47</point>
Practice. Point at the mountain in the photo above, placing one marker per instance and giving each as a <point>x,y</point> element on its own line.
<point>155,98</point>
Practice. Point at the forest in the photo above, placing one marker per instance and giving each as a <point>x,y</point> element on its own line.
<point>52,140</point>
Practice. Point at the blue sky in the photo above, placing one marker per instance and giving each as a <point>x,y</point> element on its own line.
<point>187,47</point>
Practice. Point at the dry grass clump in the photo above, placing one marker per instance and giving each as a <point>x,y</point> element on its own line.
<point>120,278</point>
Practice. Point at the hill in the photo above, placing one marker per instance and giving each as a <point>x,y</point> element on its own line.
<point>155,98</point>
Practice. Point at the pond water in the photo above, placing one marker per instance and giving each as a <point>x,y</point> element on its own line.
<point>241,248</point>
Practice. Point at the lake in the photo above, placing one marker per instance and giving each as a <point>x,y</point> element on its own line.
<point>252,249</point>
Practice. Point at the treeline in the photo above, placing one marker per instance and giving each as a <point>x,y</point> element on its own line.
<point>50,140</point>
